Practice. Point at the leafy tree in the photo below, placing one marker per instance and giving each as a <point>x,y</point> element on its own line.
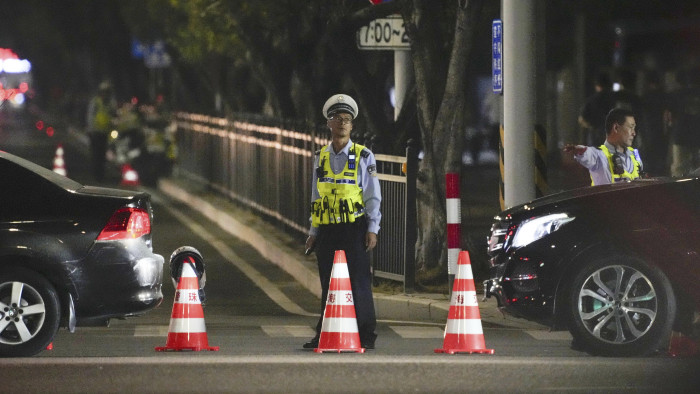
<point>300,52</point>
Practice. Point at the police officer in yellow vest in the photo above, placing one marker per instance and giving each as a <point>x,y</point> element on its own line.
<point>615,160</point>
<point>345,215</point>
<point>101,111</point>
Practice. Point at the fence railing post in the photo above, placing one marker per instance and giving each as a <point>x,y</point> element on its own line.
<point>410,235</point>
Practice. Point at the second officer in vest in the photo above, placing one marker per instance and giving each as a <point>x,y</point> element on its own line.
<point>345,215</point>
<point>615,160</point>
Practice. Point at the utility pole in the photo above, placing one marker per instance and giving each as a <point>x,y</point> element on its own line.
<point>519,100</point>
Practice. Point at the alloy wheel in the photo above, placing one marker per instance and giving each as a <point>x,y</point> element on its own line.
<point>617,304</point>
<point>22,312</point>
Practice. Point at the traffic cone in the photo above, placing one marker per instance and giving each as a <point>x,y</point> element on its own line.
<point>187,329</point>
<point>463,332</point>
<point>129,176</point>
<point>339,331</point>
<point>59,165</point>
<point>682,346</point>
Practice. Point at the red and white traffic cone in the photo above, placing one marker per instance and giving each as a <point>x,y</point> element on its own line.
<point>339,331</point>
<point>187,329</point>
<point>682,346</point>
<point>463,332</point>
<point>129,176</point>
<point>59,165</point>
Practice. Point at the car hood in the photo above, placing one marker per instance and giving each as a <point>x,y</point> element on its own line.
<point>563,198</point>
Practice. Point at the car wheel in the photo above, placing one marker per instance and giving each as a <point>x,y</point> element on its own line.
<point>29,313</point>
<point>620,306</point>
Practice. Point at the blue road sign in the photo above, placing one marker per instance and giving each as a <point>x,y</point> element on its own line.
<point>497,55</point>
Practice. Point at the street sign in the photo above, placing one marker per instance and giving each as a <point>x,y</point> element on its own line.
<point>383,33</point>
<point>497,55</point>
<point>156,56</point>
<point>137,49</point>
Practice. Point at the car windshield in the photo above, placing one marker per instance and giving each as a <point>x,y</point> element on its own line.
<point>59,180</point>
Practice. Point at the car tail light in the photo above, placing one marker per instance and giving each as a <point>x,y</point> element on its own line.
<point>126,223</point>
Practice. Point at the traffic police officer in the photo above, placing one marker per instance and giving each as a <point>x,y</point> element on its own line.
<point>615,160</point>
<point>345,215</point>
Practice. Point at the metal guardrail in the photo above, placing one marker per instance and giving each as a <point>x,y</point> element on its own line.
<point>268,168</point>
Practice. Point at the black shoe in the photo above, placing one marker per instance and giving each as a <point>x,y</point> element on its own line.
<point>312,344</point>
<point>368,345</point>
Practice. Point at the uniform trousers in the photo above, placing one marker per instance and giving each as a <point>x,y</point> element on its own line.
<point>349,237</point>
<point>98,147</point>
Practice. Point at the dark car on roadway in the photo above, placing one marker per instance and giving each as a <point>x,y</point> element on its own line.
<point>69,255</point>
<point>618,265</point>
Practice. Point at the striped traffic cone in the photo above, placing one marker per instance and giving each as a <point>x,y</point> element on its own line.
<point>463,332</point>
<point>59,165</point>
<point>129,176</point>
<point>339,331</point>
<point>187,329</point>
<point>682,346</point>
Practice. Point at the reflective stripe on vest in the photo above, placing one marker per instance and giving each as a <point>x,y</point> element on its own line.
<point>340,194</point>
<point>625,175</point>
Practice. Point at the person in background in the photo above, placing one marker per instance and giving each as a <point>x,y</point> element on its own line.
<point>101,112</point>
<point>615,160</point>
<point>345,197</point>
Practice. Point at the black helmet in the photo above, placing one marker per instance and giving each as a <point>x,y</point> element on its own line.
<point>186,254</point>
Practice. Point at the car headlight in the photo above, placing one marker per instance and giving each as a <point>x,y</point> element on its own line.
<point>533,229</point>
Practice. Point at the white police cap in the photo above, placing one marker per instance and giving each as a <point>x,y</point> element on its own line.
<point>340,103</point>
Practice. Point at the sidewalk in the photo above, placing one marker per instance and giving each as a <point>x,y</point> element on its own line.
<point>281,249</point>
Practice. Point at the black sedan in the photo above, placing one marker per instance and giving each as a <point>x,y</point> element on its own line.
<point>69,255</point>
<point>618,265</point>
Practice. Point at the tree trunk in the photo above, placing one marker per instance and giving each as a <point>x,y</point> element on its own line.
<point>441,95</point>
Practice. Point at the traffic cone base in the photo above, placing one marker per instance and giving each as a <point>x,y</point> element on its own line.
<point>187,329</point>
<point>339,331</point>
<point>682,346</point>
<point>187,341</point>
<point>463,331</point>
<point>339,342</point>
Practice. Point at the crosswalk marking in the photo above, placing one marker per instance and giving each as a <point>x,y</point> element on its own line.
<point>289,331</point>
<point>406,332</point>
<point>151,331</point>
<point>418,332</point>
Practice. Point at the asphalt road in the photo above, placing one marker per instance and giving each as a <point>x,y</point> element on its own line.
<point>258,316</point>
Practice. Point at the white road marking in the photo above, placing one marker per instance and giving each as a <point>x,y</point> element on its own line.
<point>289,331</point>
<point>150,331</point>
<point>418,332</point>
<point>281,331</point>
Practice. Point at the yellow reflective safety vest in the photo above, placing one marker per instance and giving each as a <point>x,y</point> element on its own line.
<point>625,176</point>
<point>341,196</point>
<point>103,119</point>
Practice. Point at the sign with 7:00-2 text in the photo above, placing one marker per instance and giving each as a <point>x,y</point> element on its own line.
<point>383,33</point>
